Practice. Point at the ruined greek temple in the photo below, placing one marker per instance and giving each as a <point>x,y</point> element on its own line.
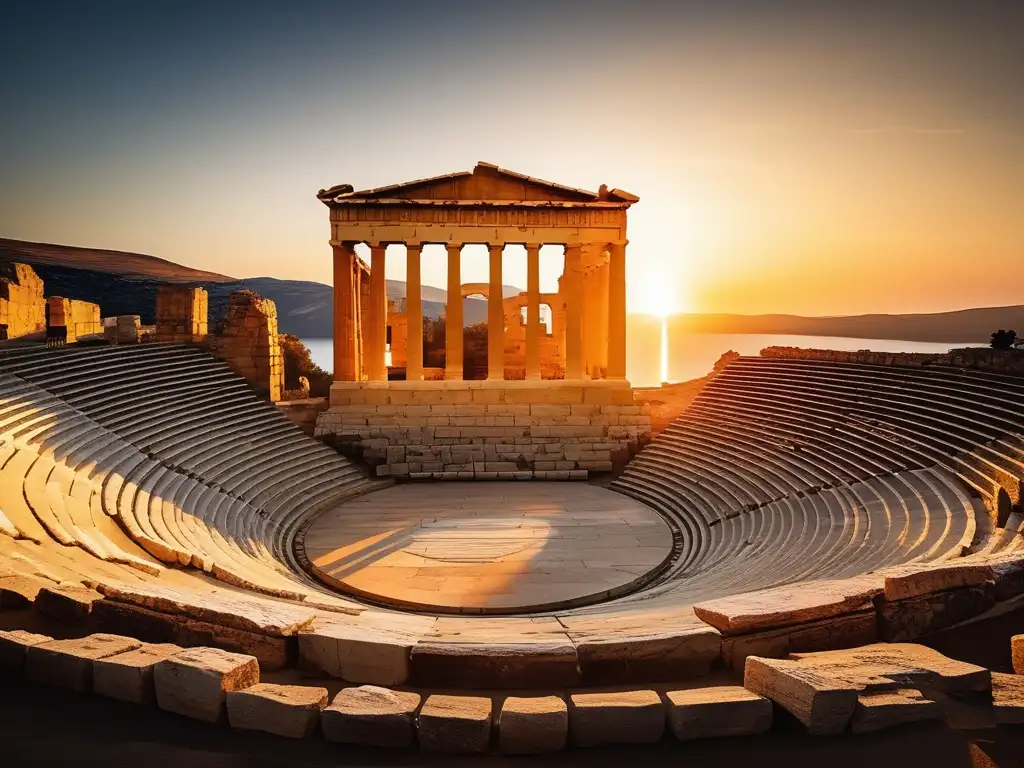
<point>493,207</point>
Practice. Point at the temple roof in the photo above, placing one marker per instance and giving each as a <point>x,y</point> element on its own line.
<point>486,182</point>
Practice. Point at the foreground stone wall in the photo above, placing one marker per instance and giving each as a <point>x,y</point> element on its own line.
<point>484,430</point>
<point>181,313</point>
<point>80,318</point>
<point>250,343</point>
<point>22,307</point>
<point>979,358</point>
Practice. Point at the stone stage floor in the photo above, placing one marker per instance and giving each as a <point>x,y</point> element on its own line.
<point>495,547</point>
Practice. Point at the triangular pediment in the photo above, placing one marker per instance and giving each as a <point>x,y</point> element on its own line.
<point>484,182</point>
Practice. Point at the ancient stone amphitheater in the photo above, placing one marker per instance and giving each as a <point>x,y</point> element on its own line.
<point>152,503</point>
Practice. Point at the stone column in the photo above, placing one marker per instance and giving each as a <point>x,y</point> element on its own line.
<point>572,287</point>
<point>377,332</point>
<point>344,314</point>
<point>495,318</point>
<point>601,295</point>
<point>414,314</point>
<point>617,310</point>
<point>453,315</point>
<point>533,311</point>
<point>357,290</point>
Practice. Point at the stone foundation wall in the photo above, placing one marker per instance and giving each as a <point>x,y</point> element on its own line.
<point>22,306</point>
<point>979,358</point>
<point>477,430</point>
<point>250,343</point>
<point>81,318</point>
<point>181,313</point>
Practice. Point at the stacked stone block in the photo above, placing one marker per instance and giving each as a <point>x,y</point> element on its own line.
<point>80,318</point>
<point>250,343</point>
<point>22,307</point>
<point>181,313</point>
<point>123,329</point>
<point>483,440</point>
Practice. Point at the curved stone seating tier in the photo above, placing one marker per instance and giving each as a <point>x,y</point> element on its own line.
<point>842,495</point>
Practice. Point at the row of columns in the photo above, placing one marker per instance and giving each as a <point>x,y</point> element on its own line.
<point>593,287</point>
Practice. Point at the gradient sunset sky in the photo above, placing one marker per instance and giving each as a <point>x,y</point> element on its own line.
<point>809,157</point>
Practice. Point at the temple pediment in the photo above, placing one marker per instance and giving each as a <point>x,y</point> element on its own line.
<point>486,182</point>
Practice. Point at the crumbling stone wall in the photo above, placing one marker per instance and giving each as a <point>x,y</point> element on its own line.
<point>22,307</point>
<point>250,343</point>
<point>79,318</point>
<point>181,313</point>
<point>123,329</point>
<point>980,358</point>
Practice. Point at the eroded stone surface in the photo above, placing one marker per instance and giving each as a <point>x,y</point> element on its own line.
<point>362,653</point>
<point>784,606</point>
<point>19,592</point>
<point>13,645</point>
<point>822,689</point>
<point>910,581</point>
<point>67,602</point>
<point>628,717</point>
<point>728,710</point>
<point>532,726</point>
<point>885,709</point>
<point>1017,651</point>
<point>495,665</point>
<point>129,676</point>
<point>284,710</point>
<point>68,663</point>
<point>455,724</point>
<point>195,682</point>
<point>372,715</point>
<point>1008,698</point>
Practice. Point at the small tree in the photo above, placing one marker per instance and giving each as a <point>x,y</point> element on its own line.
<point>298,362</point>
<point>1004,339</point>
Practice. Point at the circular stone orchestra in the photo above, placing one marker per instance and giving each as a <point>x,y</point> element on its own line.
<point>492,548</point>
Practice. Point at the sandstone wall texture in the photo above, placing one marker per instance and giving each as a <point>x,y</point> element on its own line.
<point>181,313</point>
<point>81,318</point>
<point>486,432</point>
<point>250,343</point>
<point>22,307</point>
<point>979,358</point>
<point>123,329</point>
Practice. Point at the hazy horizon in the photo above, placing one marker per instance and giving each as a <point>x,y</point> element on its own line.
<point>807,158</point>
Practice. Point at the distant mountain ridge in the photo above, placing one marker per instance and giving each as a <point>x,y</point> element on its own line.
<point>122,282</point>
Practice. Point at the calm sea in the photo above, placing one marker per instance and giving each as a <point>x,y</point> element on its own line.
<point>693,355</point>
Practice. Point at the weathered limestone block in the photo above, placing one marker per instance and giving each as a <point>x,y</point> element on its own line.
<point>373,716</point>
<point>68,663</point>
<point>455,724</point>
<point>22,306</point>
<point>886,709</point>
<point>129,676</point>
<point>822,689</point>
<point>1008,698</point>
<point>629,717</point>
<point>250,343</point>
<point>1017,653</point>
<point>828,634</point>
<point>361,654</point>
<point>905,582</point>
<point>158,627</point>
<point>13,646</point>
<point>495,665</point>
<point>284,710</point>
<point>606,658</point>
<point>67,602</point>
<point>532,726</point>
<point>19,592</point>
<point>903,620</point>
<point>79,318</point>
<point>728,710</point>
<point>823,704</point>
<point>195,682</point>
<point>789,605</point>
<point>181,313</point>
